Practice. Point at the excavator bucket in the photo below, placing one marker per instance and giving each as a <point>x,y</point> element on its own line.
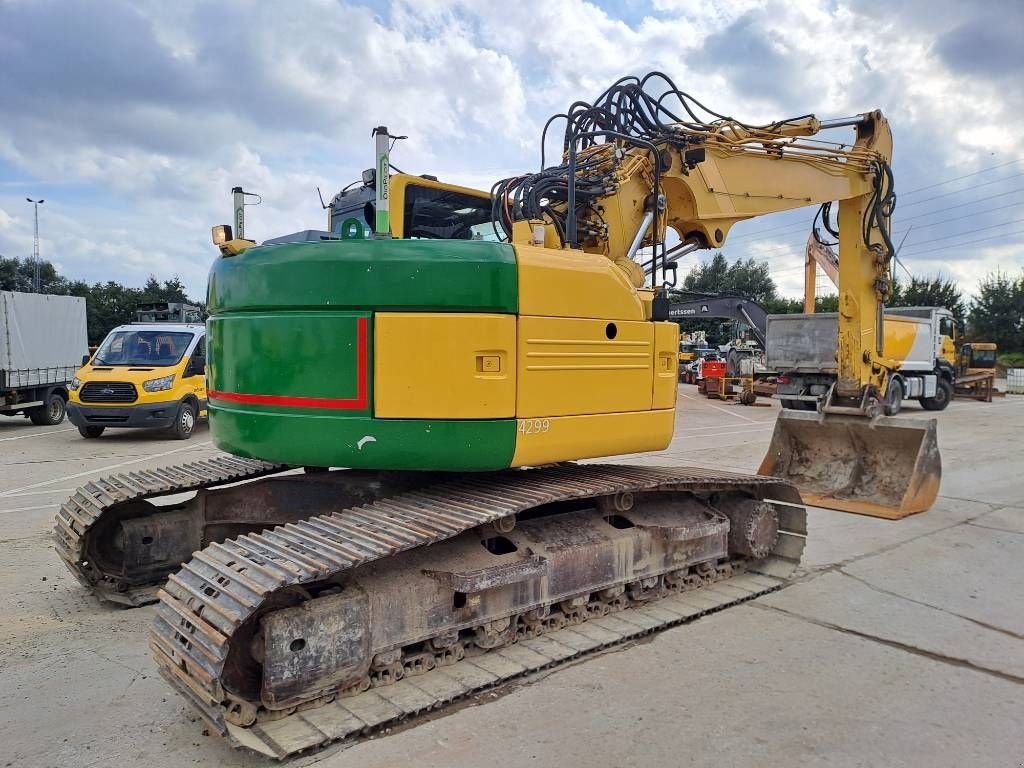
<point>883,467</point>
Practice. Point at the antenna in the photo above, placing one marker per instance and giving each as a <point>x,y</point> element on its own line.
<point>238,194</point>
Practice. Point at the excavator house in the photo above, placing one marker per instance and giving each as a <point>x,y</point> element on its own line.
<point>457,361</point>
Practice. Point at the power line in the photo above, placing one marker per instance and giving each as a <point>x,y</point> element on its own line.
<point>919,189</point>
<point>962,205</point>
<point>798,227</point>
<point>968,232</point>
<point>773,229</point>
<point>958,191</point>
<point>1005,236</point>
<point>965,216</point>
<point>793,244</point>
<point>965,176</point>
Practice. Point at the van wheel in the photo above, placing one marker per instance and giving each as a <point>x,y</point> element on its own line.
<point>185,422</point>
<point>90,432</point>
<point>894,397</point>
<point>50,414</point>
<point>943,394</point>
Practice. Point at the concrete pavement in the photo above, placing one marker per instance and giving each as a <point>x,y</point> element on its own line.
<point>900,643</point>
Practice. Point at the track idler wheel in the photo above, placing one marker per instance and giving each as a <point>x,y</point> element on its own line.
<point>753,528</point>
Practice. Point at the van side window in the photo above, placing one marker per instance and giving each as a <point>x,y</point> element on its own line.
<point>200,350</point>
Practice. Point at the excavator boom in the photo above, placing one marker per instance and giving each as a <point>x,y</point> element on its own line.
<point>700,179</point>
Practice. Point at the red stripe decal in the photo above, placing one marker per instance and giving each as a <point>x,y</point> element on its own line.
<point>359,403</point>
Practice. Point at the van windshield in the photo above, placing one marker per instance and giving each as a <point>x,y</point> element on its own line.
<point>143,347</point>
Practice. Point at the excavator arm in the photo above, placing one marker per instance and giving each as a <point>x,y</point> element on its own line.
<point>636,165</point>
<point>717,178</point>
<point>737,308</point>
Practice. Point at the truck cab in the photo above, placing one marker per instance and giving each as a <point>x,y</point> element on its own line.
<point>150,375</point>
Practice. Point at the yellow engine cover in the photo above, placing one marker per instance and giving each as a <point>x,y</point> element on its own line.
<point>582,370</point>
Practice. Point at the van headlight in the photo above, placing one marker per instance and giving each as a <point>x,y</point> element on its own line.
<point>158,385</point>
<point>75,384</point>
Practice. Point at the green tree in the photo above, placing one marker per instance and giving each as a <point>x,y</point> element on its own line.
<point>934,291</point>
<point>107,305</point>
<point>170,290</point>
<point>997,312</point>
<point>744,277</point>
<point>18,274</point>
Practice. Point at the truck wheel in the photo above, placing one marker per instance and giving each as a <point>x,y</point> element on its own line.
<point>185,422</point>
<point>894,398</point>
<point>51,414</point>
<point>943,394</point>
<point>90,432</point>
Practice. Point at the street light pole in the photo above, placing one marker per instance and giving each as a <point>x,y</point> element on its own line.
<point>36,279</point>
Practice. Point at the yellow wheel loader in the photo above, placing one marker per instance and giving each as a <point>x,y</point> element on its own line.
<point>457,361</point>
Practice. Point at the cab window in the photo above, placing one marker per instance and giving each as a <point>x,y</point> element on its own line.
<point>946,326</point>
<point>983,358</point>
<point>443,214</point>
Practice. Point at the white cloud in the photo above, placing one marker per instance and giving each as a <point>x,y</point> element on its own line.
<point>143,116</point>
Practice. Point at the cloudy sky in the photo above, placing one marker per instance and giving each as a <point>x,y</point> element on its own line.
<point>135,119</point>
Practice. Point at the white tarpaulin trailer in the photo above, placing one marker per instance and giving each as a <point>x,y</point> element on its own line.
<point>42,338</point>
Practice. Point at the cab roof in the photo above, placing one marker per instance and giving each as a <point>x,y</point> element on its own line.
<point>169,327</point>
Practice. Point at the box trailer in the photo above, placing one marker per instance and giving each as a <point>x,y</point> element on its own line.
<point>42,343</point>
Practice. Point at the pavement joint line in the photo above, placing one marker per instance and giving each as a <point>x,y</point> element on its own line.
<point>766,422</point>
<point>732,413</point>
<point>995,528</point>
<point>28,509</point>
<point>896,644</point>
<point>812,573</point>
<point>101,470</point>
<point>704,448</point>
<point>993,505</point>
<point>37,434</point>
<point>879,590</point>
<point>43,493</point>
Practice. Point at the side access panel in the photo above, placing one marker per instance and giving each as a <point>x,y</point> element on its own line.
<point>444,365</point>
<point>571,366</point>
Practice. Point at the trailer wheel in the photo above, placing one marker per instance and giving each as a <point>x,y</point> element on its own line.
<point>90,433</point>
<point>50,414</point>
<point>943,394</point>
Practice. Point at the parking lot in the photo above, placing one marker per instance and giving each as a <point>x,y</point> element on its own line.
<point>899,643</point>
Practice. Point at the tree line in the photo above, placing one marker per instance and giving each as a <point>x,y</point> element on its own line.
<point>995,314</point>
<point>107,305</point>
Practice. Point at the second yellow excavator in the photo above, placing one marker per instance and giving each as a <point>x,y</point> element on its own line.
<point>457,360</point>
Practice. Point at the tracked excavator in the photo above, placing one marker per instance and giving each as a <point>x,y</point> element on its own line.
<point>458,361</point>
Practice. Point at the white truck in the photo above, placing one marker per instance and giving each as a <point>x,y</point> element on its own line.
<point>802,349</point>
<point>42,343</point>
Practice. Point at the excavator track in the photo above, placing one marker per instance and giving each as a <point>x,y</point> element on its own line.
<point>269,637</point>
<point>79,516</point>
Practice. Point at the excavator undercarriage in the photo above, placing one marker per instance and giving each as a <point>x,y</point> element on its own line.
<point>332,627</point>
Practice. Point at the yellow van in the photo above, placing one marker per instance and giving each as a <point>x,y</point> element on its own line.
<point>143,375</point>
